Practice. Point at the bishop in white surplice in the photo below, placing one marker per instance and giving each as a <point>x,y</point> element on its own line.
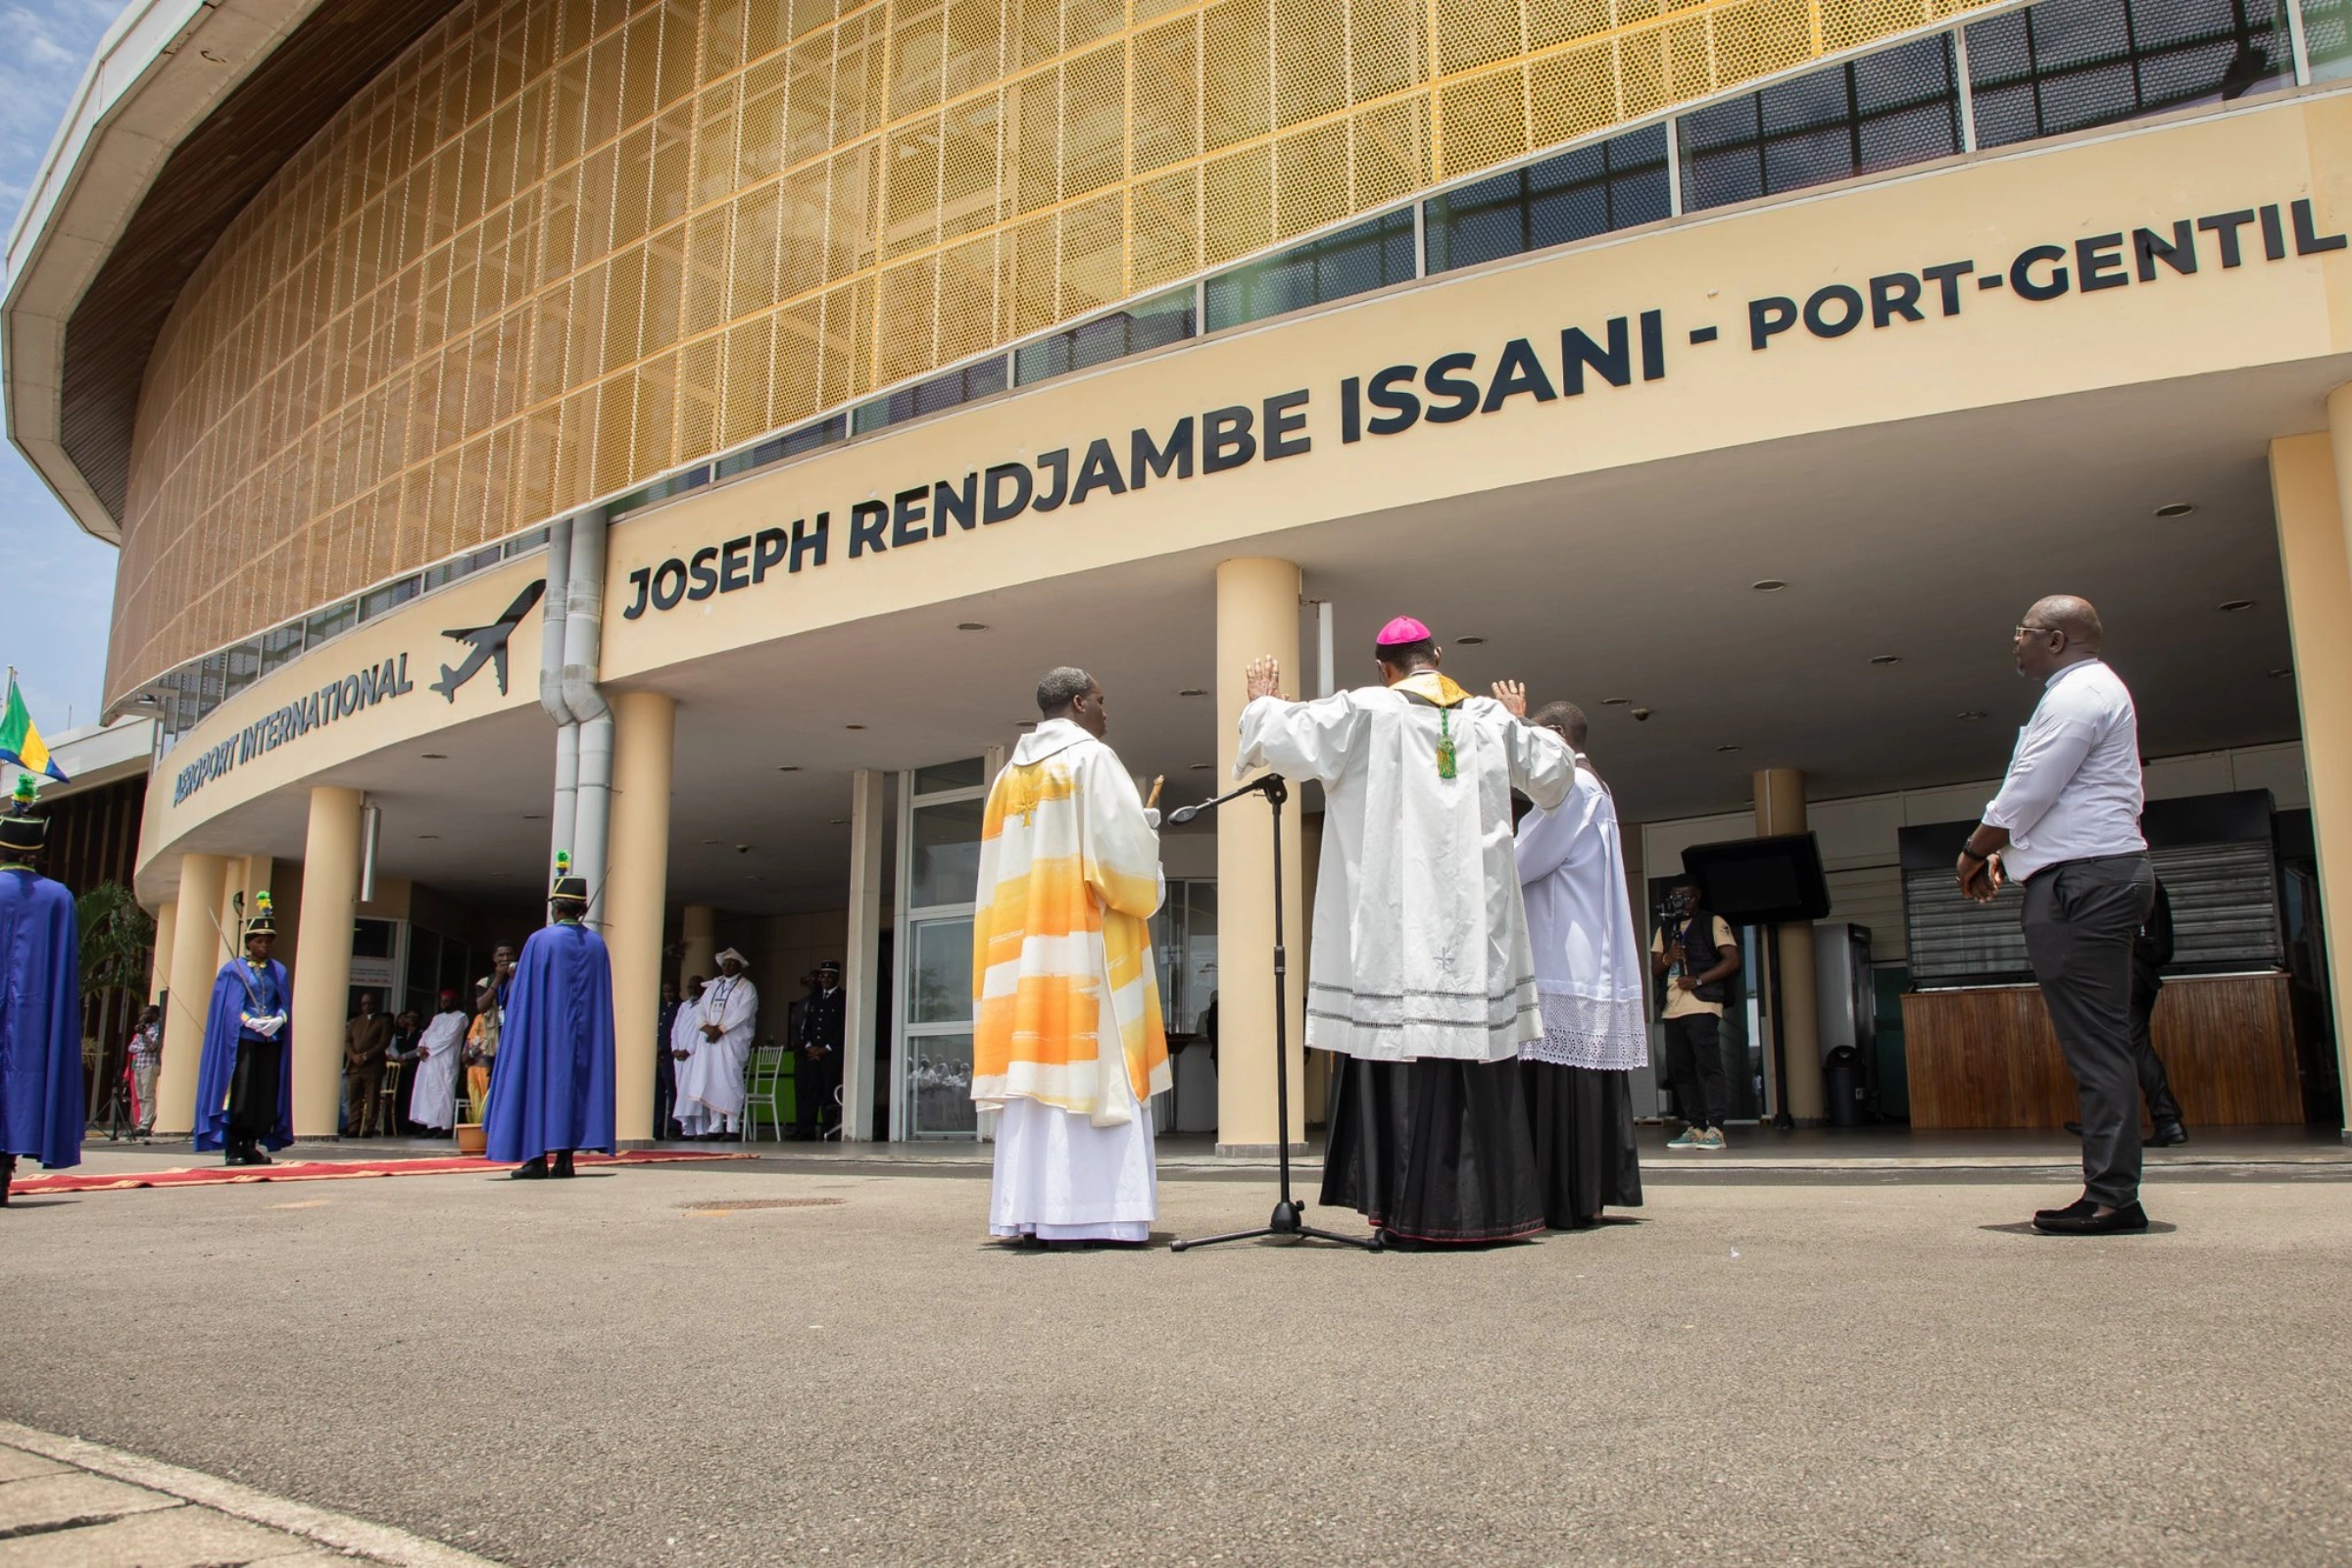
<point>1421,969</point>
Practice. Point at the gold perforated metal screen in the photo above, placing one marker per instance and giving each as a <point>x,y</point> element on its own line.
<point>565,245</point>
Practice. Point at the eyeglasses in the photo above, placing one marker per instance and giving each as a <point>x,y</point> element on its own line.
<point>2036,631</point>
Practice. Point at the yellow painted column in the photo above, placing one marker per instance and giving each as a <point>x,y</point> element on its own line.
<point>1257,613</point>
<point>861,961</point>
<point>159,962</point>
<point>644,727</point>
<point>699,927</point>
<point>196,954</point>
<point>2308,478</point>
<point>330,902</point>
<point>1781,809</point>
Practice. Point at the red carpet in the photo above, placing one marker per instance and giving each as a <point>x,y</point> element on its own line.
<point>323,1170</point>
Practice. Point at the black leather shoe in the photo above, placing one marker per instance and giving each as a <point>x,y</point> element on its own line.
<point>2130,1217</point>
<point>563,1163</point>
<point>2168,1136</point>
<point>2079,1209</point>
<point>2074,1129</point>
<point>255,1156</point>
<point>8,1173</point>
<point>533,1170</point>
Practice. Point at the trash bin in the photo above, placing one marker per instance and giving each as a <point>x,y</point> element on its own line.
<point>1842,1088</point>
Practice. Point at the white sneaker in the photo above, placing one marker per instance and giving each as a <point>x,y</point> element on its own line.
<point>1688,1140</point>
<point>1711,1139</point>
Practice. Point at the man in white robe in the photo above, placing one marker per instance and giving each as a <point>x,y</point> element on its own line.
<point>433,1103</point>
<point>712,1107</point>
<point>1589,963</point>
<point>1421,970</point>
<point>1067,1040</point>
<point>685,1033</point>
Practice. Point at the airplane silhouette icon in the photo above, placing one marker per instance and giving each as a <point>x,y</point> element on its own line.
<point>489,644</point>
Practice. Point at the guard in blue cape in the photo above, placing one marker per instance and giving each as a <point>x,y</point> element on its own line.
<point>552,1090</point>
<point>245,1081</point>
<point>41,1001</point>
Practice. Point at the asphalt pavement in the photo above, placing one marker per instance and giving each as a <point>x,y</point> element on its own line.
<point>735,1365</point>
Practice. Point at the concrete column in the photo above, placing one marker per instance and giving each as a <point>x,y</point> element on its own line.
<point>2308,478</point>
<point>700,929</point>
<point>636,886</point>
<point>159,966</point>
<point>330,902</point>
<point>1781,809</point>
<point>1257,613</point>
<point>196,954</point>
<point>861,959</point>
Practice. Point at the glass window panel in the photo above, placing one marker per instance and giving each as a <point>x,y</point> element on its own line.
<point>942,991</point>
<point>2327,38</point>
<point>332,622</point>
<point>244,664</point>
<point>371,939</point>
<point>2067,65</point>
<point>1146,324</point>
<point>970,774</point>
<point>377,601</point>
<point>280,647</point>
<point>945,868</point>
<point>1365,256</point>
<point>1894,108</point>
<point>939,1070</point>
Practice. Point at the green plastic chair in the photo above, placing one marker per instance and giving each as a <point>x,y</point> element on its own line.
<point>767,1091</point>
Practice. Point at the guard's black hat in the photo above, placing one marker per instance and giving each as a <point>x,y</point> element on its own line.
<point>22,829</point>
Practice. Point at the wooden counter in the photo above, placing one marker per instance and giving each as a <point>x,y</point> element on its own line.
<point>1987,1058</point>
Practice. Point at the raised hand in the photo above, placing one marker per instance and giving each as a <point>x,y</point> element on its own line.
<point>1264,677</point>
<point>1513,696</point>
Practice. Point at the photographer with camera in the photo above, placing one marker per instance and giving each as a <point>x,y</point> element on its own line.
<point>1694,954</point>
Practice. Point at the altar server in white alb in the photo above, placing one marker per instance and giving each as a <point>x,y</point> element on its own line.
<point>1067,1035</point>
<point>1421,971</point>
<point>434,1104</point>
<point>1580,921</point>
<point>710,1081</point>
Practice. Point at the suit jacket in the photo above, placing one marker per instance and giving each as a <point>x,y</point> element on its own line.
<point>366,1038</point>
<point>821,1019</point>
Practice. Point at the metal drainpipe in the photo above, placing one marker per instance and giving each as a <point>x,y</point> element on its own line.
<point>584,654</point>
<point>563,814</point>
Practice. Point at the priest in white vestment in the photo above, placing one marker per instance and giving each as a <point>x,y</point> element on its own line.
<point>1067,1041</point>
<point>710,1089</point>
<point>1421,970</point>
<point>1588,971</point>
<point>434,1101</point>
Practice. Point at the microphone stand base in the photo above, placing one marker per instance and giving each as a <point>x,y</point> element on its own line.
<point>1289,1219</point>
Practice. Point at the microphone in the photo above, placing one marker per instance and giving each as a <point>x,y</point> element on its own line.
<point>1270,785</point>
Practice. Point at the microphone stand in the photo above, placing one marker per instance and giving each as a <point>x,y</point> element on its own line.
<point>1290,1215</point>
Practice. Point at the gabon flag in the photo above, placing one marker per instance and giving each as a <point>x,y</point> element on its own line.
<point>21,743</point>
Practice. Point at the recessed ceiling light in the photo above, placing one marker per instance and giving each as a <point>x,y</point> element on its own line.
<point>534,817</point>
<point>435,757</point>
<point>1768,585</point>
<point>853,726</point>
<point>1193,691</point>
<point>1468,641</point>
<point>1615,702</point>
<point>1726,748</point>
<point>2176,509</point>
<point>1026,723</point>
<point>711,841</point>
<point>971,625</point>
<point>2283,673</point>
<point>1970,712</point>
<point>2235,603</point>
<point>789,767</point>
<point>1204,767</point>
<point>1888,658</point>
<point>429,835</point>
<point>841,822</point>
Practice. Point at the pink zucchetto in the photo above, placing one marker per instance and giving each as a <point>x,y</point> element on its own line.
<point>1403,629</point>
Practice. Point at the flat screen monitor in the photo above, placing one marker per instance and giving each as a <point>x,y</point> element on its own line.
<point>1761,881</point>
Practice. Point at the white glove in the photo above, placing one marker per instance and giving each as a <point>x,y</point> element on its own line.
<point>1151,817</point>
<point>266,1027</point>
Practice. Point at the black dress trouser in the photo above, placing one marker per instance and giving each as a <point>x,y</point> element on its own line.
<point>2154,1086</point>
<point>2079,921</point>
<point>253,1092</point>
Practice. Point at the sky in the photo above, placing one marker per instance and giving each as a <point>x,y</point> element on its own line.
<point>55,628</point>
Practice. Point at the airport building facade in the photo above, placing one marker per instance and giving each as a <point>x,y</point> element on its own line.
<point>679,434</point>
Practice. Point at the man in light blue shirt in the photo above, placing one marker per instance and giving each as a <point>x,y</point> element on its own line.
<point>2066,824</point>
